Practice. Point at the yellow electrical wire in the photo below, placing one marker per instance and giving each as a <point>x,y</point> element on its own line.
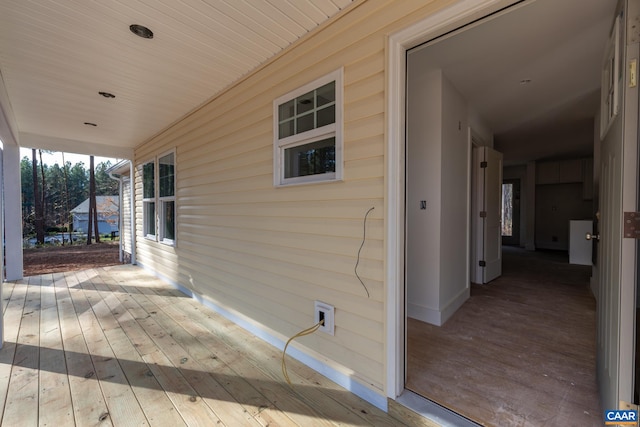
<point>307,331</point>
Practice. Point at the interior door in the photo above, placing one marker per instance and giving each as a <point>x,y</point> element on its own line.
<point>618,184</point>
<point>488,214</point>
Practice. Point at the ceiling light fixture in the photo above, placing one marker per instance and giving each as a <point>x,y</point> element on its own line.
<point>141,31</point>
<point>107,94</point>
<point>90,124</point>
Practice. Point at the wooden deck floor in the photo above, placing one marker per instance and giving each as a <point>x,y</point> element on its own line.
<point>115,346</point>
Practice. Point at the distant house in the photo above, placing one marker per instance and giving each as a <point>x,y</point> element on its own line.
<point>108,214</point>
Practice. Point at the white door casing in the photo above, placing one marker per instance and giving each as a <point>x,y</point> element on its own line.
<point>454,16</point>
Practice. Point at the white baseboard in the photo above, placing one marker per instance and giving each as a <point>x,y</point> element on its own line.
<point>378,400</point>
<point>437,317</point>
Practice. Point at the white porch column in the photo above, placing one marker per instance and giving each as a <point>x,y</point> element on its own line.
<point>12,211</point>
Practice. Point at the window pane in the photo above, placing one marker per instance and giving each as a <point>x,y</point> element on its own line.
<point>167,175</point>
<point>326,116</point>
<point>285,129</point>
<point>305,103</point>
<point>168,214</point>
<point>150,218</point>
<point>148,185</point>
<point>304,123</point>
<point>326,94</point>
<point>507,209</point>
<point>286,111</point>
<point>311,159</point>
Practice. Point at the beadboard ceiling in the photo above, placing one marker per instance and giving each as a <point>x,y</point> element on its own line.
<point>56,55</point>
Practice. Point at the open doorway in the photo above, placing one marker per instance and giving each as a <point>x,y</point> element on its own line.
<point>533,121</point>
<point>510,212</point>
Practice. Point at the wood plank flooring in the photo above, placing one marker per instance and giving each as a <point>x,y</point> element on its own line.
<point>519,352</point>
<point>118,347</point>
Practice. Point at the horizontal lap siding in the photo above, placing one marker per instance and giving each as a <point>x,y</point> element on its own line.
<point>269,252</point>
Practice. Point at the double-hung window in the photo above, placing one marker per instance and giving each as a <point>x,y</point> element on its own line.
<point>308,132</point>
<point>159,202</point>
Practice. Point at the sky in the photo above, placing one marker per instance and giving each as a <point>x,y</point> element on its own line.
<point>56,157</point>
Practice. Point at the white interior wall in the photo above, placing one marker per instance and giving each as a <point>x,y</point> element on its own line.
<point>438,173</point>
<point>455,201</point>
<point>530,221</point>
<point>424,134</point>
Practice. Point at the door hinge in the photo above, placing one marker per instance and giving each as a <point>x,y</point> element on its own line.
<point>482,263</point>
<point>483,165</point>
<point>483,214</point>
<point>631,226</point>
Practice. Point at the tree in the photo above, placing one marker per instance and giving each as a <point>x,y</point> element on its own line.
<point>66,199</point>
<point>28,207</point>
<point>44,193</point>
<point>78,184</point>
<point>93,213</point>
<point>105,185</point>
<point>49,192</point>
<point>39,219</point>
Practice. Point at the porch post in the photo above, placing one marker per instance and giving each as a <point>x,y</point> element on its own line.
<point>132,187</point>
<point>12,211</point>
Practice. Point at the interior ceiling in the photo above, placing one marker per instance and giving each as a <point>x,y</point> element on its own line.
<point>56,55</point>
<point>558,46</point>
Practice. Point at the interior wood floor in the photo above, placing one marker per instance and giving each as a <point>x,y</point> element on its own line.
<point>116,346</point>
<point>520,352</point>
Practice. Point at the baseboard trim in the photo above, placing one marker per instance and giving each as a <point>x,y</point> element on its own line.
<point>378,400</point>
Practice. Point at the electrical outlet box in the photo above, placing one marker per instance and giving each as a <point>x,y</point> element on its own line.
<point>324,312</point>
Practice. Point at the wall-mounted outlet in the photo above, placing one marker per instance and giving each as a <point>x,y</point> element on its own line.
<point>324,313</point>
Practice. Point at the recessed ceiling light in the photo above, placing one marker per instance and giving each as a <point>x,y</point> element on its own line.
<point>141,31</point>
<point>90,124</point>
<point>525,81</point>
<point>107,94</point>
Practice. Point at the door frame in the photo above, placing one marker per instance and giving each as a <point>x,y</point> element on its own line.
<point>629,256</point>
<point>442,22</point>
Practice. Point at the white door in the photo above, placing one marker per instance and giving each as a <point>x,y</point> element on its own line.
<point>618,183</point>
<point>487,214</point>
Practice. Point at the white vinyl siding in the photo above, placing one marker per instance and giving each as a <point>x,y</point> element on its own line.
<point>268,252</point>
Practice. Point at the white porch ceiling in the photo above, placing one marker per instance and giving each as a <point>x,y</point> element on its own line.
<point>56,55</point>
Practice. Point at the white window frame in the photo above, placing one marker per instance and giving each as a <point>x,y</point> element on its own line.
<point>333,130</point>
<point>159,202</point>
<point>146,201</point>
<point>162,200</point>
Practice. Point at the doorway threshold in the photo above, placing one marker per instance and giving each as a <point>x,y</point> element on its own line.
<point>432,411</point>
